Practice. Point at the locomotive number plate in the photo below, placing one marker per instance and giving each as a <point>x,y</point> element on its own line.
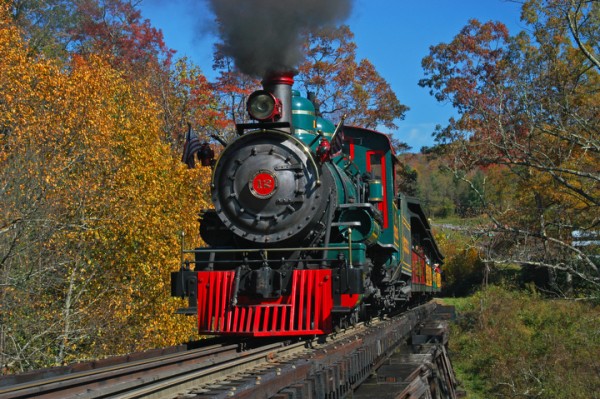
<point>263,184</point>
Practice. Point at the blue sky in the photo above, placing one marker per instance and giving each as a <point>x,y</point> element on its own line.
<point>394,35</point>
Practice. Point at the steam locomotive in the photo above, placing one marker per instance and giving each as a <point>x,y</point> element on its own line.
<point>308,231</point>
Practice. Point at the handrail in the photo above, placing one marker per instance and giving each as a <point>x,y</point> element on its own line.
<point>265,250</point>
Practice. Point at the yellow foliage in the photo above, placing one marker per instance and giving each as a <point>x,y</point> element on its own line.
<point>100,201</point>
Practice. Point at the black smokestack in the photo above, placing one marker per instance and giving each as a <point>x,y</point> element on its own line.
<point>265,35</point>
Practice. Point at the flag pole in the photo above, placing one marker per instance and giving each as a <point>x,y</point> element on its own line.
<point>190,147</point>
<point>338,128</point>
<point>337,140</point>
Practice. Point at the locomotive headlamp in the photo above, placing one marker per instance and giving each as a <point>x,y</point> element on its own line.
<point>263,106</point>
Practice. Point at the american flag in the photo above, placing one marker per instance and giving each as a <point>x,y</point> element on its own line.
<point>190,147</point>
<point>337,142</point>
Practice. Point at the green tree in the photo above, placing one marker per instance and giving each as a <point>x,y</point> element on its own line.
<point>408,178</point>
<point>46,25</point>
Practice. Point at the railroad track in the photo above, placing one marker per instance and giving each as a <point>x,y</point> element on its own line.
<point>331,366</point>
<point>160,376</point>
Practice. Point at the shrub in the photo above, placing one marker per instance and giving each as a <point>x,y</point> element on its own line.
<point>510,344</point>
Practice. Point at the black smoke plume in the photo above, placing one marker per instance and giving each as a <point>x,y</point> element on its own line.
<point>265,35</point>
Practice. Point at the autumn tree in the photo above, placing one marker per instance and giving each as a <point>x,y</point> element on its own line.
<point>232,85</point>
<point>116,27</point>
<point>92,205</point>
<point>529,106</point>
<point>188,97</point>
<point>57,28</point>
<point>344,85</point>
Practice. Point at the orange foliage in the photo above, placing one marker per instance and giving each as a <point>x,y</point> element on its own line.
<point>93,202</point>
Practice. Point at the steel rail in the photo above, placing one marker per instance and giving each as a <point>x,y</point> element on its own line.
<point>153,377</point>
<point>52,385</point>
<point>171,385</point>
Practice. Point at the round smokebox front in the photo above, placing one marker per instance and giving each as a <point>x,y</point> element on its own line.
<point>265,188</point>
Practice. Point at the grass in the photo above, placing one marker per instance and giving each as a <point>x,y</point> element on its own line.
<point>515,344</point>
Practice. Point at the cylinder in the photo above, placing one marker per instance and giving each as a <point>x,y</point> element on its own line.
<point>375,191</point>
<point>367,232</point>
